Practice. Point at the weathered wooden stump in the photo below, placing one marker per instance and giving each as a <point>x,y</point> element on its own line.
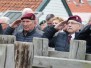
<point>15,54</point>
<point>23,55</point>
<point>18,56</point>
<point>40,46</point>
<point>7,56</point>
<point>7,51</point>
<point>77,49</point>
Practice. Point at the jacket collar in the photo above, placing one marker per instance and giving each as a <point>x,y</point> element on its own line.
<point>28,33</point>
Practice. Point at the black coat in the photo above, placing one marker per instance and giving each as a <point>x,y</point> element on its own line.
<point>1,30</point>
<point>21,37</point>
<point>85,34</point>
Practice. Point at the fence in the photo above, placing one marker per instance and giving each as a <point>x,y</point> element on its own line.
<point>15,54</point>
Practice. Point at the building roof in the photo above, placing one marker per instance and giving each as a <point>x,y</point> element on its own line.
<point>45,6</point>
<point>19,4</point>
<point>75,6</point>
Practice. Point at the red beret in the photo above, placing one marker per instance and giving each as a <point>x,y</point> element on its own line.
<point>76,18</point>
<point>30,16</point>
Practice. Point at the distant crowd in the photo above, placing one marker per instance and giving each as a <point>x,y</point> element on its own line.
<point>57,30</point>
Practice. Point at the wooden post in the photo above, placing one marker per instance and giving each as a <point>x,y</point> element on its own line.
<point>45,47</point>
<point>7,39</point>
<point>23,55</point>
<point>2,56</point>
<point>41,66</point>
<point>53,62</point>
<point>7,56</point>
<point>37,46</point>
<point>58,54</point>
<point>77,49</point>
<point>40,46</point>
<point>7,51</point>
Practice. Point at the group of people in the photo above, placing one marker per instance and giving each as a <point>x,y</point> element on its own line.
<point>56,29</point>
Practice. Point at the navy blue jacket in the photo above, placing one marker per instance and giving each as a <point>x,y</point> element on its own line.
<point>59,42</point>
<point>20,35</point>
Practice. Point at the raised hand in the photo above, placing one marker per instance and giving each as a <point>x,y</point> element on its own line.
<point>60,26</point>
<point>15,24</point>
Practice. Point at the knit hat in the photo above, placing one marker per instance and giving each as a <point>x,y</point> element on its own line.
<point>42,22</point>
<point>76,18</point>
<point>30,16</point>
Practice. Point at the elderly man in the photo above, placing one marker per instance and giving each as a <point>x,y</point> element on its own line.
<point>24,11</point>
<point>61,41</point>
<point>29,31</point>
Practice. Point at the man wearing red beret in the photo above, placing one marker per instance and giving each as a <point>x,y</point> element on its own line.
<point>61,41</point>
<point>28,21</point>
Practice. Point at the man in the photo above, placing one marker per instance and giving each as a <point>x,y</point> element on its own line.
<point>29,31</point>
<point>29,10</point>
<point>61,41</point>
<point>85,34</point>
<point>42,25</point>
<point>4,21</point>
<point>24,11</point>
<point>49,18</point>
<point>74,25</point>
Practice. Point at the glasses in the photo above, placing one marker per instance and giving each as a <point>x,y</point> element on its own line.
<point>73,22</point>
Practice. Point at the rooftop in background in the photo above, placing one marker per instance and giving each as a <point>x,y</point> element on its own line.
<point>76,6</point>
<point>43,6</point>
<point>18,4</point>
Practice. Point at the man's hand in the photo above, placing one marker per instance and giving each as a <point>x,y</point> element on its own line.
<point>15,24</point>
<point>60,26</point>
